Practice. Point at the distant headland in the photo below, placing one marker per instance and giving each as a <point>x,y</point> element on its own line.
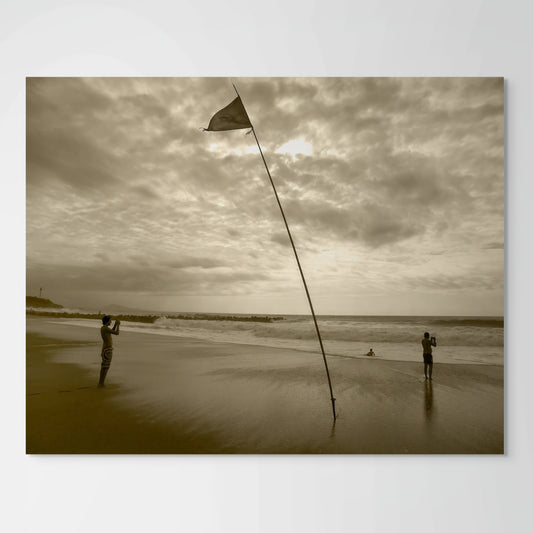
<point>35,301</point>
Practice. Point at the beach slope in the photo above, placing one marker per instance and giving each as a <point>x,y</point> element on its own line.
<point>166,394</point>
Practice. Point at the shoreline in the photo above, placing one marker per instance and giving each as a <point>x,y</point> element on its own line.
<point>409,352</point>
<point>192,396</point>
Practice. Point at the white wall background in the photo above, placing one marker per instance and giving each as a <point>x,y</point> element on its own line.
<point>268,493</point>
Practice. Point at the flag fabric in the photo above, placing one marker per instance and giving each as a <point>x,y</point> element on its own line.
<point>232,117</point>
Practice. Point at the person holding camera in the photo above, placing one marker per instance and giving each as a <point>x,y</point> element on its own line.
<point>107,346</point>
<point>427,343</point>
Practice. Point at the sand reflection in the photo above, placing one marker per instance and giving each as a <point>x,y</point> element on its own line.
<point>428,400</point>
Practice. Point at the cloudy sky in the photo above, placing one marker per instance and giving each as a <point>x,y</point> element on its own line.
<point>393,189</point>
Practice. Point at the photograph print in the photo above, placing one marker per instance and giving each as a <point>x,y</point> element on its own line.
<point>265,265</point>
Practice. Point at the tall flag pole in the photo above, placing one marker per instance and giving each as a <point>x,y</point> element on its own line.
<point>234,117</point>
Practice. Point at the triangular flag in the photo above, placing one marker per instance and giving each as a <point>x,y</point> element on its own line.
<point>232,117</point>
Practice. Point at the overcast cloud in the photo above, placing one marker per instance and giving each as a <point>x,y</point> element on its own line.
<point>393,188</point>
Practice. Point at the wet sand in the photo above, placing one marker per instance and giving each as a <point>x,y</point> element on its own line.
<point>166,394</point>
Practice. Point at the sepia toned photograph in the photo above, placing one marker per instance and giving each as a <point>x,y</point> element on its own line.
<point>265,265</point>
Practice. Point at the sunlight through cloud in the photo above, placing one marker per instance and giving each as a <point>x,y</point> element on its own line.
<point>295,147</point>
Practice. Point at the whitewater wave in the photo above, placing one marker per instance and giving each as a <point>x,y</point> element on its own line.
<point>340,330</point>
<point>390,339</point>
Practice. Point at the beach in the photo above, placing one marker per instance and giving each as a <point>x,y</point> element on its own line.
<point>167,394</point>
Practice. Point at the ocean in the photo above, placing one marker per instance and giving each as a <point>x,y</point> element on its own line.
<point>463,340</point>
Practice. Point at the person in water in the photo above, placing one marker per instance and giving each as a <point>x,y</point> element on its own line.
<point>427,343</point>
<point>371,353</point>
<point>107,346</point>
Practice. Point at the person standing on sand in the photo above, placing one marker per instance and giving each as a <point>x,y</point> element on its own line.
<point>427,343</point>
<point>107,346</point>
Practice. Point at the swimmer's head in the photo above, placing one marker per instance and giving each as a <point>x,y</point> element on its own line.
<point>426,335</point>
<point>105,320</point>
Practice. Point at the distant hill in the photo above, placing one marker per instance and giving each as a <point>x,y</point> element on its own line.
<point>34,301</point>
